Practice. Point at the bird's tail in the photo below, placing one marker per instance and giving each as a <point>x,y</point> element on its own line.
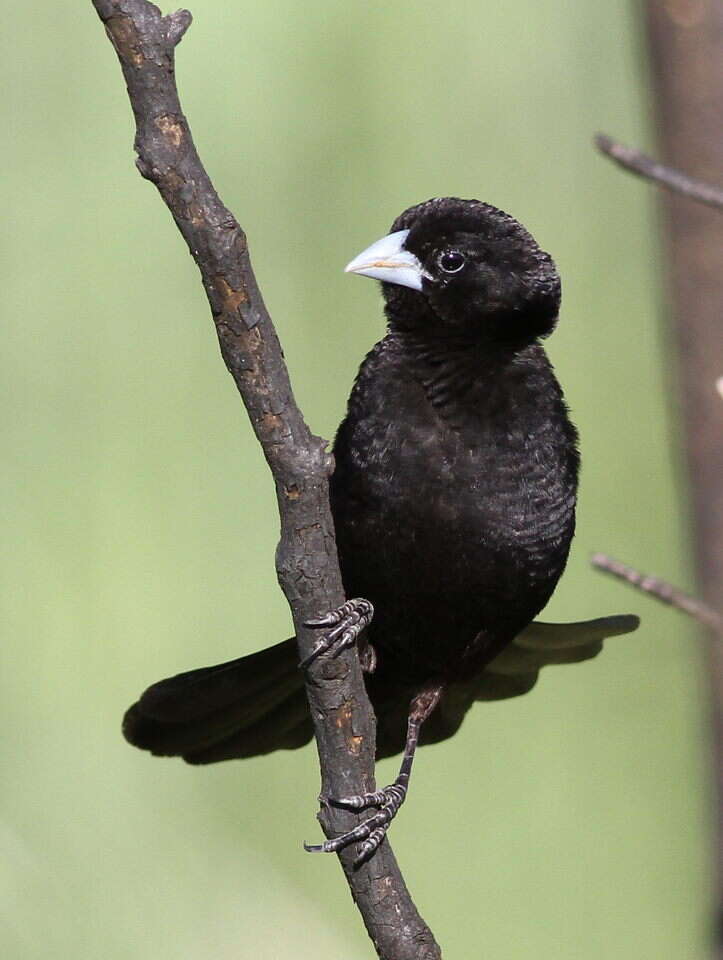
<point>242,708</point>
<point>258,704</point>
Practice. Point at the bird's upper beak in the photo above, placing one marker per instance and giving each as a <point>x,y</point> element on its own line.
<point>388,260</point>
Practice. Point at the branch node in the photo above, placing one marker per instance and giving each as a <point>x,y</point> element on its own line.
<point>176,25</point>
<point>145,169</point>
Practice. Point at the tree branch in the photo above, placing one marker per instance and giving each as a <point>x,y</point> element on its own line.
<point>662,590</point>
<point>307,564</point>
<point>635,161</point>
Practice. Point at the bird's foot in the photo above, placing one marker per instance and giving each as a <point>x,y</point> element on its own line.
<point>370,833</point>
<point>347,622</point>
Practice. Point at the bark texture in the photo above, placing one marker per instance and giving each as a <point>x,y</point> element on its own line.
<point>306,559</point>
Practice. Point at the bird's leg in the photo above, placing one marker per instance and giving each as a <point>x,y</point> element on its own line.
<point>370,833</point>
<point>347,622</point>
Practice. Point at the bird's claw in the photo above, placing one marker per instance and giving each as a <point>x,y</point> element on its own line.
<point>370,833</point>
<point>362,801</point>
<point>347,622</point>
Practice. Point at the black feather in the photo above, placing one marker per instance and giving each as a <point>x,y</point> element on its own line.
<point>453,500</point>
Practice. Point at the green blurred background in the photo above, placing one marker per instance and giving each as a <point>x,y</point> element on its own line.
<point>140,522</point>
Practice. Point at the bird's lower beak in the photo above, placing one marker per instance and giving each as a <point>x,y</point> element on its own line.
<point>388,260</point>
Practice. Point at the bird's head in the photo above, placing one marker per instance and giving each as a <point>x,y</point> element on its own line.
<point>463,266</point>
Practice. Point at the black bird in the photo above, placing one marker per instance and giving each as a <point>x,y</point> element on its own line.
<point>454,505</point>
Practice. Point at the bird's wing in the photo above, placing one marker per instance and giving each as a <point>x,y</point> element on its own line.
<point>512,673</point>
<point>515,670</point>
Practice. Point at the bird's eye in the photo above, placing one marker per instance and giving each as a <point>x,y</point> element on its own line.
<point>451,261</point>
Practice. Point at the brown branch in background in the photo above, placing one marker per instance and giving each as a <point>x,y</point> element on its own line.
<point>645,166</point>
<point>684,40</point>
<point>684,43</point>
<point>307,564</point>
<point>661,590</point>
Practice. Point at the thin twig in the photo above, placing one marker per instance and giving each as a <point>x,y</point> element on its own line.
<point>307,564</point>
<point>645,166</point>
<point>662,590</point>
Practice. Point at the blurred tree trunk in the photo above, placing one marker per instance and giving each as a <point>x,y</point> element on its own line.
<point>686,43</point>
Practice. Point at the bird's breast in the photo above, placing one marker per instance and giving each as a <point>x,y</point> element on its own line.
<point>475,498</point>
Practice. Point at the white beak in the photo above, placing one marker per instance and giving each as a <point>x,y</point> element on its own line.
<point>388,260</point>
